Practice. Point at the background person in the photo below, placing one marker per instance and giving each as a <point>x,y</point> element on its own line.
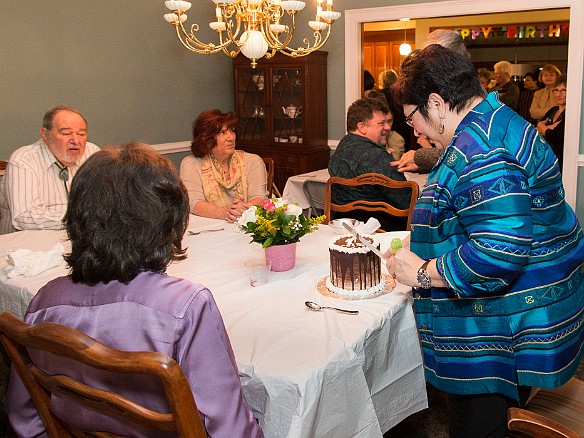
<point>222,183</point>
<point>527,91</point>
<point>362,151</point>
<point>507,89</point>
<point>368,82</point>
<point>121,244</point>
<point>449,39</point>
<point>423,159</point>
<point>494,250</point>
<point>395,143</point>
<point>544,99</point>
<point>553,124</point>
<point>420,160</point>
<point>484,77</point>
<point>38,176</point>
<point>386,80</point>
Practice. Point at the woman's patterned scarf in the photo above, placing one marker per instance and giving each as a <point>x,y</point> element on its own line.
<point>215,185</point>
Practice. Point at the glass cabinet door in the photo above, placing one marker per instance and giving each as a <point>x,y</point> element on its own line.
<point>287,101</point>
<point>251,89</point>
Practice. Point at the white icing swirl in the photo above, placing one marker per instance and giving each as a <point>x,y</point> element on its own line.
<point>361,249</point>
<point>356,293</point>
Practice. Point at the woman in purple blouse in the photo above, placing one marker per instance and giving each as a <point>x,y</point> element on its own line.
<point>126,217</point>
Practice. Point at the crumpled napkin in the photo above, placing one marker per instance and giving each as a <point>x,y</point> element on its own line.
<point>369,227</point>
<point>29,263</point>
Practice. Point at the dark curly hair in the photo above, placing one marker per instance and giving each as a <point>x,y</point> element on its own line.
<point>439,70</point>
<point>128,211</point>
<point>362,110</point>
<point>206,127</point>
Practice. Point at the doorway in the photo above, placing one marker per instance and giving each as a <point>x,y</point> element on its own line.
<point>354,20</point>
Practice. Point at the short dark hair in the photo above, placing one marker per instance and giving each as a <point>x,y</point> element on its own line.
<point>127,213</point>
<point>206,127</point>
<point>436,69</point>
<point>561,80</point>
<point>368,81</point>
<point>362,110</point>
<point>50,115</point>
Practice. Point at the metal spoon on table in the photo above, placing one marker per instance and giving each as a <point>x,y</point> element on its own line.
<point>195,233</point>
<point>313,306</point>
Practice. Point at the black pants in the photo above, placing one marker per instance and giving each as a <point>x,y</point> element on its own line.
<point>481,415</point>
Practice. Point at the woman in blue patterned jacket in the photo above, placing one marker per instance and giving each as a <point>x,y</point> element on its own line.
<point>496,254</point>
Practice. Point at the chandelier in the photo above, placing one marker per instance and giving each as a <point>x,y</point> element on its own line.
<point>255,28</point>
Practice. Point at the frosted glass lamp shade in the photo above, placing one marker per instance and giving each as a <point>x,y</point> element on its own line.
<point>289,5</point>
<point>177,5</point>
<point>330,16</point>
<point>317,25</point>
<point>256,46</point>
<point>173,18</point>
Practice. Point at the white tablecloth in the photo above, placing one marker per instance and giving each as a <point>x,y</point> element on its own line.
<point>294,192</point>
<point>304,373</point>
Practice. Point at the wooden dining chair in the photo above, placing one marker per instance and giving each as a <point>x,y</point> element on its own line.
<point>270,181</point>
<point>370,179</point>
<point>66,342</point>
<point>551,413</point>
<point>315,194</point>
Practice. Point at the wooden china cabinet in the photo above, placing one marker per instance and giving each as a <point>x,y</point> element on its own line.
<point>281,107</point>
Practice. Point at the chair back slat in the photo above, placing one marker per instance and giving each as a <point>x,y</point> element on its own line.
<point>315,192</point>
<point>371,179</point>
<point>270,173</point>
<point>66,342</point>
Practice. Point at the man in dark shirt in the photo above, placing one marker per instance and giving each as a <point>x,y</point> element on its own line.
<point>508,90</point>
<point>362,151</point>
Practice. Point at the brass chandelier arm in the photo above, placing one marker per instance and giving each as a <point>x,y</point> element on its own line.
<point>319,41</point>
<point>254,27</point>
<point>191,42</point>
<point>272,38</point>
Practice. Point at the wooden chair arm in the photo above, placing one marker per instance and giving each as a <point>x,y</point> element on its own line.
<point>526,421</point>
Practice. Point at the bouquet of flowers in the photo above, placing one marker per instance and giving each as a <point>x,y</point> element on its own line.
<point>276,222</point>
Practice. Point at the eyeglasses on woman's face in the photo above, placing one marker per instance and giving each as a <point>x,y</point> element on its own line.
<point>559,90</point>
<point>411,115</point>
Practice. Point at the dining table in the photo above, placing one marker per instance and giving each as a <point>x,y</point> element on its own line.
<point>304,373</point>
<point>294,188</point>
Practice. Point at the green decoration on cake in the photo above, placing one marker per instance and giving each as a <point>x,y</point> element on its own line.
<point>395,245</point>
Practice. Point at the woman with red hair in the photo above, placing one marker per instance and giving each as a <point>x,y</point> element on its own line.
<point>221,182</point>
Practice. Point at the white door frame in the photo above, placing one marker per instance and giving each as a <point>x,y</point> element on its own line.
<point>354,18</point>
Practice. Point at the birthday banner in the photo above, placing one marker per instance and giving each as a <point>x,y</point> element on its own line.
<point>532,32</point>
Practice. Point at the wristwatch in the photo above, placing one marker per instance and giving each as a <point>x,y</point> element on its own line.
<point>423,278</point>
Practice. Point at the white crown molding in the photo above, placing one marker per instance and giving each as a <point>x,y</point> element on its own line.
<point>172,148</point>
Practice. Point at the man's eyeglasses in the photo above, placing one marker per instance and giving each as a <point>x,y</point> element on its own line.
<point>409,117</point>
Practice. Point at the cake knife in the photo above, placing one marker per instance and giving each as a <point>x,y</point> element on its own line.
<point>363,240</point>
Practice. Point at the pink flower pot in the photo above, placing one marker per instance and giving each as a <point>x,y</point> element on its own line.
<point>283,257</point>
